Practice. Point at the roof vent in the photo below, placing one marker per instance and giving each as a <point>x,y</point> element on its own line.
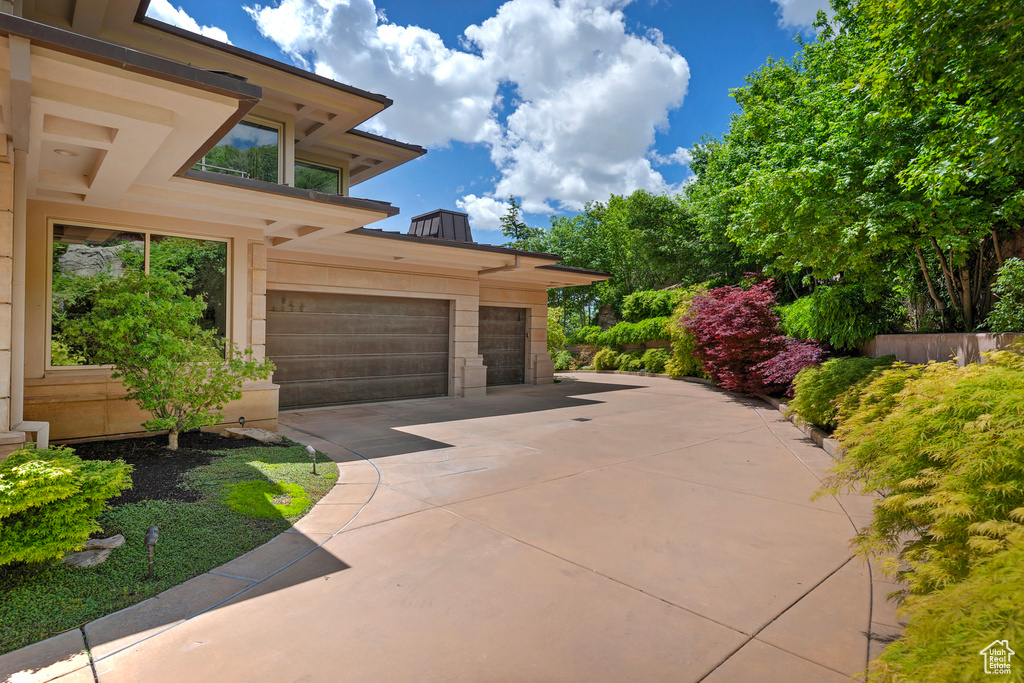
<point>442,224</point>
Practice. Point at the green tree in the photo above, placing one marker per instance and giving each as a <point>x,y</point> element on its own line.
<point>520,235</point>
<point>148,328</point>
<point>811,177</point>
<point>958,61</point>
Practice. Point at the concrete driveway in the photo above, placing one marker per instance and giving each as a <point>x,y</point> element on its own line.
<point>605,528</point>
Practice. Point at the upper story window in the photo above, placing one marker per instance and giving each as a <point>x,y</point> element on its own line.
<point>250,150</point>
<point>310,176</point>
<point>84,256</point>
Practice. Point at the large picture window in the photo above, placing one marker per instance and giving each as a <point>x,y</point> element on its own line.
<point>84,257</point>
<point>250,150</point>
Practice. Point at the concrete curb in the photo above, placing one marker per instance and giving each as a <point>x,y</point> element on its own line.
<point>827,443</point>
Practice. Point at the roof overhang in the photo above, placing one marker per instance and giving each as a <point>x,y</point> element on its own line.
<point>485,261</point>
<point>324,112</point>
<point>87,144</point>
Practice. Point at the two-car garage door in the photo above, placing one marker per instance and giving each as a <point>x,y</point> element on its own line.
<point>333,348</point>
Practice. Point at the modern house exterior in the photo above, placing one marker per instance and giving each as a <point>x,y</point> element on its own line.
<point>129,143</point>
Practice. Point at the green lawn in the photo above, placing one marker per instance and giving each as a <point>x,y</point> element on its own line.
<point>41,600</point>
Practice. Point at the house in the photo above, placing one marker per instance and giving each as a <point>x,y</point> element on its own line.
<point>131,143</point>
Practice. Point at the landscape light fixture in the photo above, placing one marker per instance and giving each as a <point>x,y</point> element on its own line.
<point>241,421</point>
<point>312,454</point>
<point>151,537</point>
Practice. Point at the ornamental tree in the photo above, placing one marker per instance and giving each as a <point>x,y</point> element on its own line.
<point>147,327</point>
<point>735,329</point>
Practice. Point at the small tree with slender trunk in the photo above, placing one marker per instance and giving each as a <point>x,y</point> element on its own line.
<point>147,327</point>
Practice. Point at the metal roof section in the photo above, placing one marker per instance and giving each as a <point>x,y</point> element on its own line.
<point>141,18</point>
<point>442,224</point>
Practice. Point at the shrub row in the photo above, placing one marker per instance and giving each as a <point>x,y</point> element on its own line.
<point>651,360</point>
<point>841,315</point>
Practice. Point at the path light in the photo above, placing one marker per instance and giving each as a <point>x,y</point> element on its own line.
<point>151,537</point>
<point>312,454</point>
<point>241,421</point>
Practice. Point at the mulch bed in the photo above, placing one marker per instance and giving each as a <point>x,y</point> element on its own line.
<point>156,470</point>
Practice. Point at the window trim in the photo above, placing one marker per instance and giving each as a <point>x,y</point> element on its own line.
<point>328,167</point>
<point>146,232</point>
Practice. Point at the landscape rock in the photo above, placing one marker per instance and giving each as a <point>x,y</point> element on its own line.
<point>88,558</point>
<point>261,435</point>
<point>104,543</point>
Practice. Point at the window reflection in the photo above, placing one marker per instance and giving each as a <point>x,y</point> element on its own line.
<point>85,257</point>
<point>249,151</point>
<point>320,178</point>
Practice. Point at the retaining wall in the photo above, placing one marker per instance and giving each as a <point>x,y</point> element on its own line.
<point>921,348</point>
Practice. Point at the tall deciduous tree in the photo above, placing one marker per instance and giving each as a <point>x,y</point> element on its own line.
<point>813,175</point>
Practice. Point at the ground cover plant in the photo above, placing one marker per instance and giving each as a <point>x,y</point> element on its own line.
<point>187,495</point>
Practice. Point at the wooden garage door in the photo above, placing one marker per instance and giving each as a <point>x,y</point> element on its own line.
<point>503,344</point>
<point>331,348</point>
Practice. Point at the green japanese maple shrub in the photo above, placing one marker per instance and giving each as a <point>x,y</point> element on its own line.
<point>147,327</point>
<point>818,386</point>
<point>944,445</point>
<point>49,501</point>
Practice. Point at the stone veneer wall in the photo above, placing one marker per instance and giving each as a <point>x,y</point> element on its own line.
<point>258,300</point>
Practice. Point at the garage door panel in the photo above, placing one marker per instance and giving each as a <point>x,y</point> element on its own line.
<point>366,344</point>
<point>332,392</point>
<point>286,322</point>
<point>331,349</point>
<point>320,302</point>
<point>502,343</point>
<point>348,367</point>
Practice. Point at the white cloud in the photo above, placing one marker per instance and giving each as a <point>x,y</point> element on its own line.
<point>801,13</point>
<point>163,10</point>
<point>484,212</point>
<point>681,157</point>
<point>588,96</point>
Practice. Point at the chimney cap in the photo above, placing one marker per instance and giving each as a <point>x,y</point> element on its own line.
<point>442,224</point>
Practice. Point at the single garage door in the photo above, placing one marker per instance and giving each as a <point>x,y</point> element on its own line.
<point>332,348</point>
<point>503,344</point>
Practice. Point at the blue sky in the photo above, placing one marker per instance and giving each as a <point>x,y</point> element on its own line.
<point>557,103</point>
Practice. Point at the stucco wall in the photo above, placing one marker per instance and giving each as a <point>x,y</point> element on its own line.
<point>921,348</point>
